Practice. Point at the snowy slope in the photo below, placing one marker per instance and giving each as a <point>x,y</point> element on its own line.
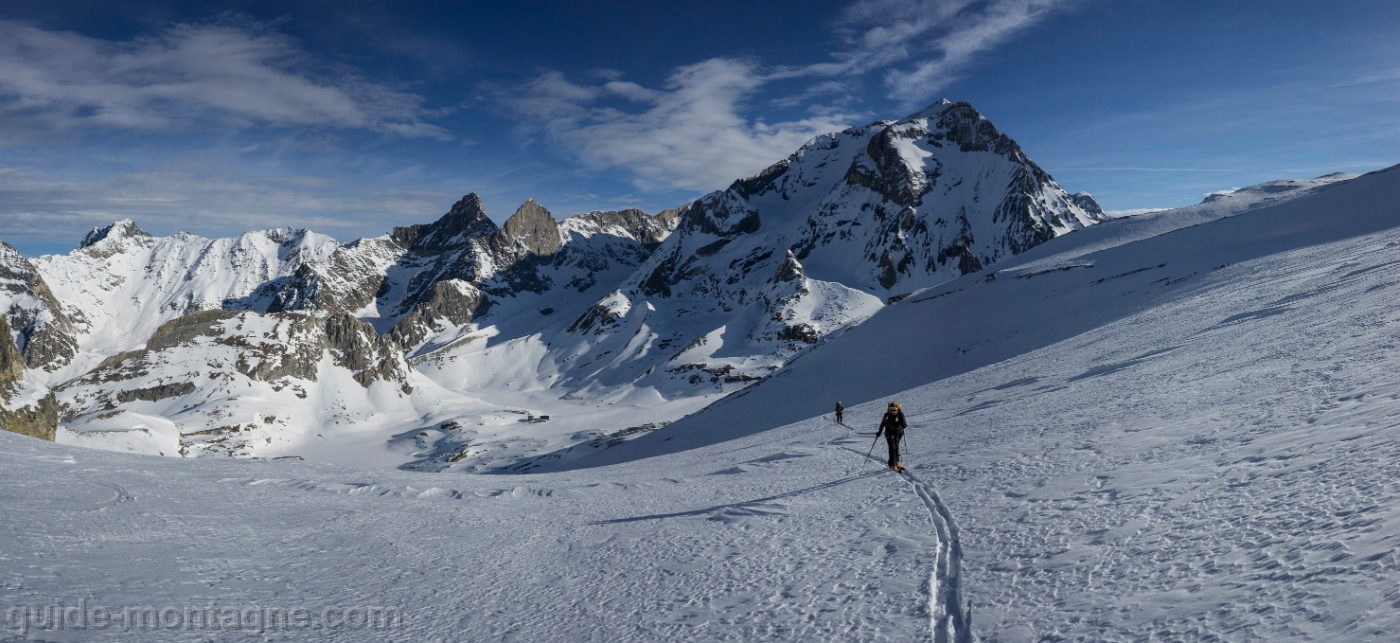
<point>1203,450</point>
<point>768,541</point>
<point>1188,436</point>
<point>123,283</point>
<point>420,289</point>
<point>1025,303</point>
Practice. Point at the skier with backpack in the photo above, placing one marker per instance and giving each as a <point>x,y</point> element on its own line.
<point>892,426</point>
<point>839,410</point>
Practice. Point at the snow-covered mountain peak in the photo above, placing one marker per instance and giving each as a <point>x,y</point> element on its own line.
<point>115,237</point>
<point>934,108</point>
<point>466,220</point>
<point>890,206</point>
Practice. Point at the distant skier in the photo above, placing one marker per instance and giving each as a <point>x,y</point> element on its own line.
<point>839,409</point>
<point>892,426</point>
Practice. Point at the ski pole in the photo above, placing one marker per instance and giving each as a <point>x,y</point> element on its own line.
<point>867,453</point>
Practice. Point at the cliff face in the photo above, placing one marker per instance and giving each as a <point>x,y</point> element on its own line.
<point>43,330</point>
<point>38,419</point>
<point>11,363</point>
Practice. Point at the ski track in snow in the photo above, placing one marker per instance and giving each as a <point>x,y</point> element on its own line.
<point>948,623</point>
<point>1211,457</point>
<point>766,539</point>
<point>1194,440</point>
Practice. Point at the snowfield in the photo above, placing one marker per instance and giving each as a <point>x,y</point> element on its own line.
<point>1169,427</point>
<point>759,541</point>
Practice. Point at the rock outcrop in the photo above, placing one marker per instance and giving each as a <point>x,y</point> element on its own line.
<point>46,332</point>
<point>38,419</point>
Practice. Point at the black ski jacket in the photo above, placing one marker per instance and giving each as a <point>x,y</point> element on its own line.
<point>893,423</point>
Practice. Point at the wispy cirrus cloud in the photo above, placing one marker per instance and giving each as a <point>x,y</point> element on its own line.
<point>922,45</point>
<point>695,131</point>
<point>236,74</point>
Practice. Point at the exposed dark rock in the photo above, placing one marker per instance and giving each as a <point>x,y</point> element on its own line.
<point>11,363</point>
<point>465,221</point>
<point>897,181</point>
<point>762,181</point>
<point>355,346</point>
<point>648,230</point>
<point>37,421</point>
<point>1086,201</point>
<point>888,277</point>
<point>965,127</point>
<point>534,228</point>
<point>669,218</point>
<point>274,361</point>
<point>183,330</point>
<point>598,318</point>
<point>659,281</point>
<point>47,335</point>
<point>789,269</point>
<point>156,393</point>
<point>118,230</point>
<point>799,333</point>
<point>452,301</point>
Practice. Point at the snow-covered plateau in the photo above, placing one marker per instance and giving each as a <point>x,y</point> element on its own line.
<point>1174,426</point>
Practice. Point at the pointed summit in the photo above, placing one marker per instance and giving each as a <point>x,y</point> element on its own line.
<point>124,229</point>
<point>535,227</point>
<point>466,220</point>
<point>789,270</point>
<point>932,110</point>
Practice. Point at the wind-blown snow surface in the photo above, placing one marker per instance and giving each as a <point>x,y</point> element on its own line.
<point>776,538</point>
<point>1192,436</point>
<point>1179,436</point>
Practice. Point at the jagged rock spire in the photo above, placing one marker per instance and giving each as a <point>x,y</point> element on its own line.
<point>789,270</point>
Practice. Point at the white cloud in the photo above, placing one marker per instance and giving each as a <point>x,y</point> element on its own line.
<point>690,134</point>
<point>986,29</point>
<point>189,73</point>
<point>939,37</point>
<point>693,134</point>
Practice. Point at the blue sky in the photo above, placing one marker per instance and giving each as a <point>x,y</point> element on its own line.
<point>352,117</point>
